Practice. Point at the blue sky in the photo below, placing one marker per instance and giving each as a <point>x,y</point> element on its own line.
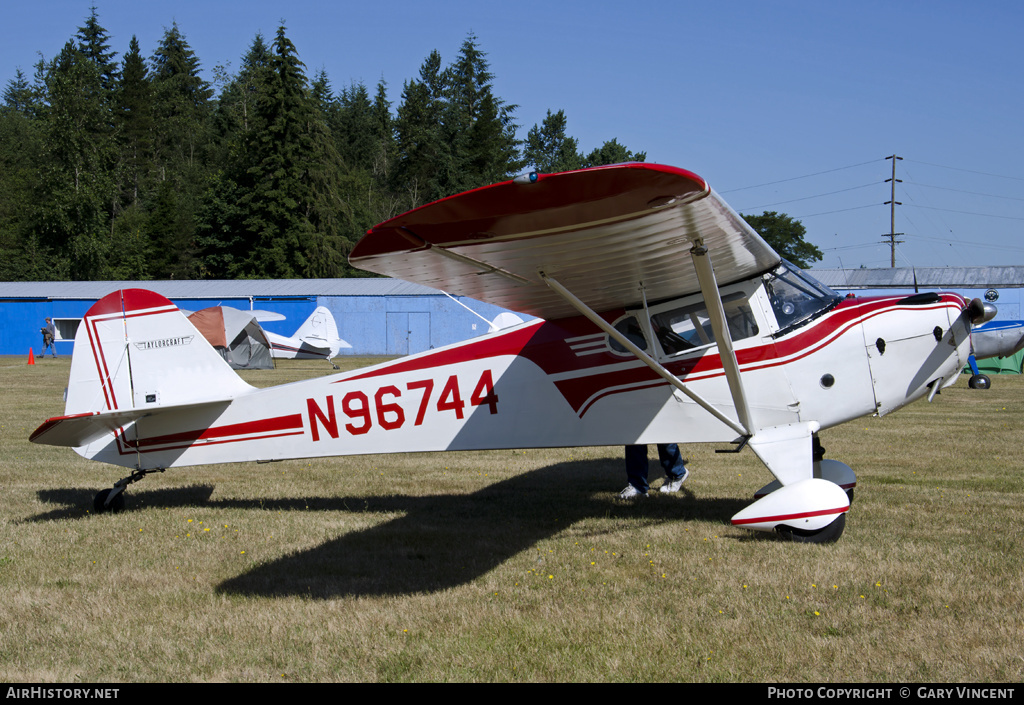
<point>781,105</point>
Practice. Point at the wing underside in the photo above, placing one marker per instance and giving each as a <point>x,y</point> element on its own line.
<point>601,232</point>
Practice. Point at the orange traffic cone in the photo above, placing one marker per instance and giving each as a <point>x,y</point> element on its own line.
<point>31,357</point>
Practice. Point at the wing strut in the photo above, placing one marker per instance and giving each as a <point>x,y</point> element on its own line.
<point>716,312</point>
<point>640,354</point>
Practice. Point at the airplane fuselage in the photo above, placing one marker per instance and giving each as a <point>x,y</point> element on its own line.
<point>567,383</point>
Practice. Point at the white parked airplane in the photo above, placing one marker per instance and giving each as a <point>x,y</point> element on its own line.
<point>316,339</point>
<point>664,319</point>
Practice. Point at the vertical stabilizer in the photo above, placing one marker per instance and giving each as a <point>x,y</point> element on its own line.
<point>135,349</point>
<point>320,330</point>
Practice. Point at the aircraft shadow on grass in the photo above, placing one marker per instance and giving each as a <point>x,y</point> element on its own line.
<point>439,541</point>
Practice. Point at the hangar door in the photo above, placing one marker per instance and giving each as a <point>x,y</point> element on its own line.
<point>408,332</point>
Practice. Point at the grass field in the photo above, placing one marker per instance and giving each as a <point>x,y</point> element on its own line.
<point>513,565</point>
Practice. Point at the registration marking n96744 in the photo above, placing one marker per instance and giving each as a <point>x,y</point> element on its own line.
<point>385,407</point>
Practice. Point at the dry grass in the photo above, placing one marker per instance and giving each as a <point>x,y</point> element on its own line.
<point>513,565</point>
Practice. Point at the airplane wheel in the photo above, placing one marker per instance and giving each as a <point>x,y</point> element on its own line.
<point>979,382</point>
<point>828,534</point>
<point>115,506</point>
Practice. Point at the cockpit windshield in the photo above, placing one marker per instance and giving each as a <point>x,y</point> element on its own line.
<point>795,297</point>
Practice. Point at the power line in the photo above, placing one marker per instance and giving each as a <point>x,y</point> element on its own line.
<point>807,198</point>
<point>969,171</point>
<point>841,210</point>
<point>968,243</point>
<point>951,210</point>
<point>969,193</point>
<point>797,178</point>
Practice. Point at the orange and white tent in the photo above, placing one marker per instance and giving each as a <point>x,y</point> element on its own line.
<point>236,335</point>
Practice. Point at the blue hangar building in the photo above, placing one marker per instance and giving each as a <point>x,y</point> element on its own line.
<point>376,316</point>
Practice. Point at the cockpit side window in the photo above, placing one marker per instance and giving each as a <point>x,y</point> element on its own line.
<point>630,328</point>
<point>689,327</point>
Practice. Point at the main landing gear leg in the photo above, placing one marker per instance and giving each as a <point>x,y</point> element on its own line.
<point>977,380</point>
<point>112,500</point>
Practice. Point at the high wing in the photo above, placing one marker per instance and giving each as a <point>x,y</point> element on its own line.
<point>601,232</point>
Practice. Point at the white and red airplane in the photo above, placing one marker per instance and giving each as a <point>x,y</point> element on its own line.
<point>316,339</point>
<point>664,319</point>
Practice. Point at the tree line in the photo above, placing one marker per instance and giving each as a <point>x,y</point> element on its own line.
<point>138,168</point>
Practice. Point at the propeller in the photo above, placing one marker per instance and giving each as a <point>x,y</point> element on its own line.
<point>980,312</point>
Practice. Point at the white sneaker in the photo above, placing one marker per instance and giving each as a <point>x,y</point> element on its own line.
<point>630,492</point>
<point>674,485</point>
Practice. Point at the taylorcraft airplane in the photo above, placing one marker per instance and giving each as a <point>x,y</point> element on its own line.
<point>316,339</point>
<point>664,319</point>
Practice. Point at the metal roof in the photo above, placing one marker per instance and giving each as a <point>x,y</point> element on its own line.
<point>219,288</point>
<point>898,278</point>
<point>927,277</point>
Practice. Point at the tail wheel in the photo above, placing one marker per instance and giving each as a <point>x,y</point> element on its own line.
<point>99,504</point>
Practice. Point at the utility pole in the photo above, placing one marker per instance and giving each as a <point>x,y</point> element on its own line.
<point>892,203</point>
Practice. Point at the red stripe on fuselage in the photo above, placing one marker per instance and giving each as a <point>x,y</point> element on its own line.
<point>545,344</point>
<point>279,426</point>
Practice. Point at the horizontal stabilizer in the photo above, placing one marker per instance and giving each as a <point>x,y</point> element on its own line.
<point>79,430</point>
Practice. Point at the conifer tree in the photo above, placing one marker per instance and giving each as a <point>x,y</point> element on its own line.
<point>21,145</point>
<point>384,134</point>
<point>182,109</point>
<point>286,207</point>
<point>182,100</point>
<point>549,149</point>
<point>20,96</point>
<point>424,167</point>
<point>220,228</point>
<point>480,126</point>
<point>74,211</point>
<point>611,152</point>
<point>135,118</point>
<point>93,43</point>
